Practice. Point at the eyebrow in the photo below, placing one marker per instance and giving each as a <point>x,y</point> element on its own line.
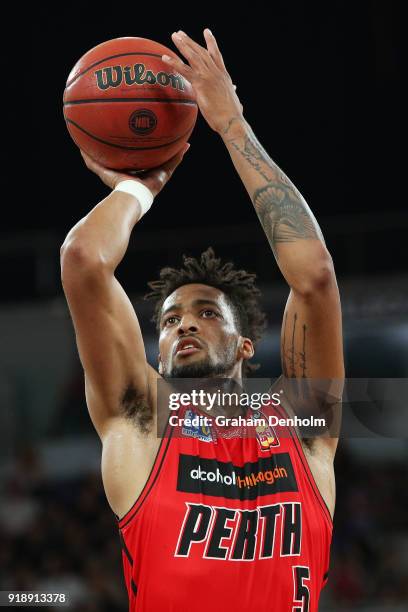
<point>198,302</point>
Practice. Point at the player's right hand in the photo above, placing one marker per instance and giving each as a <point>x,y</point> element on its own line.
<point>154,179</point>
<point>215,92</point>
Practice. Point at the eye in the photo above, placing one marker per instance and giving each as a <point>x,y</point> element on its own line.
<point>209,314</point>
<point>170,321</point>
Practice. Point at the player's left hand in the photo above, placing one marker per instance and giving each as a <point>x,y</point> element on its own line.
<point>215,92</point>
<point>155,178</point>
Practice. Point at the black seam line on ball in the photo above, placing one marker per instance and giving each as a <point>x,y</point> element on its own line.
<point>105,59</point>
<point>111,144</point>
<point>102,100</point>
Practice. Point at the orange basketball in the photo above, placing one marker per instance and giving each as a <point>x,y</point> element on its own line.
<point>125,108</point>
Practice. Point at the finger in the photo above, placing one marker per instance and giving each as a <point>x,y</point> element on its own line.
<point>172,164</point>
<point>213,49</point>
<point>179,66</point>
<point>187,40</point>
<point>108,176</point>
<point>90,162</point>
<point>156,178</point>
<point>194,54</point>
<point>97,168</point>
<point>190,55</point>
<point>85,156</point>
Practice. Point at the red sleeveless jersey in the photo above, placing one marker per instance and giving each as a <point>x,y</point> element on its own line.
<point>228,521</point>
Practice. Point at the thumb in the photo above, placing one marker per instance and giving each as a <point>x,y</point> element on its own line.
<point>172,164</point>
<point>156,178</point>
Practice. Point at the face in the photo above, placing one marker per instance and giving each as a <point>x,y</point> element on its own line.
<point>198,335</point>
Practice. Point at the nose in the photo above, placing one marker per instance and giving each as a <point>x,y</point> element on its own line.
<point>187,324</point>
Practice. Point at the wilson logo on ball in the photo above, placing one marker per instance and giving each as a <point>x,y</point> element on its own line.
<point>114,76</point>
<point>109,98</point>
<point>142,121</point>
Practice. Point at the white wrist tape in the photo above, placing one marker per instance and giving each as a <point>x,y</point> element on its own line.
<point>140,191</point>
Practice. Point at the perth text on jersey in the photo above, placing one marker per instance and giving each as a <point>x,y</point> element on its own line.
<point>241,535</point>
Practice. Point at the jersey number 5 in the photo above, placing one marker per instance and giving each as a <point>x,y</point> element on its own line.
<point>301,597</point>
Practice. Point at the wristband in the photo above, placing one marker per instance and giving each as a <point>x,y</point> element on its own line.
<point>139,191</point>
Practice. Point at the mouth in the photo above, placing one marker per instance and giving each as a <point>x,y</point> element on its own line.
<point>187,346</point>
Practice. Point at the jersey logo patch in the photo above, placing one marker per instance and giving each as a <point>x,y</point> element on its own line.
<point>201,432</point>
<point>273,474</point>
<point>266,435</point>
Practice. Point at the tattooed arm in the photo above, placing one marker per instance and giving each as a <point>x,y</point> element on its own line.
<point>289,224</point>
<point>311,338</point>
<point>311,330</point>
<point>292,230</point>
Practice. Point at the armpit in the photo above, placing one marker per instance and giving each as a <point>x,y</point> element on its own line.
<point>136,407</point>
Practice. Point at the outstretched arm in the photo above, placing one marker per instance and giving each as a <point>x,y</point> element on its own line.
<point>311,330</point>
<point>107,331</point>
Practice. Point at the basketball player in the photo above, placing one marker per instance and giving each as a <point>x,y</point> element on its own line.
<point>209,521</point>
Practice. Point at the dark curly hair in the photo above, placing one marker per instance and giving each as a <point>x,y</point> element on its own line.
<point>237,285</point>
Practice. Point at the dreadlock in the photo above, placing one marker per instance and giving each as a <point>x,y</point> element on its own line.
<point>238,286</point>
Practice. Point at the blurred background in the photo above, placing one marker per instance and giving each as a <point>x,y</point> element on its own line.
<point>321,87</point>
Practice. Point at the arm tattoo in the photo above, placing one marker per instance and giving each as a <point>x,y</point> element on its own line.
<point>283,349</point>
<point>294,363</point>
<point>230,122</point>
<point>282,211</point>
<point>283,216</point>
<point>253,159</point>
<point>292,349</point>
<point>303,353</point>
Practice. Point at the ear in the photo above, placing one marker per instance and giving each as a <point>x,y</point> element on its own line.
<point>160,368</point>
<point>245,348</point>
